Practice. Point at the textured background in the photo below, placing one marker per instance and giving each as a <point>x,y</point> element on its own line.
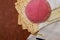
<point>9,29</point>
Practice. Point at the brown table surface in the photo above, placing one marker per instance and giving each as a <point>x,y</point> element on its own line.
<point>9,29</point>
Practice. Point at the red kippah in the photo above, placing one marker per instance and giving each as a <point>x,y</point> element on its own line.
<point>38,10</point>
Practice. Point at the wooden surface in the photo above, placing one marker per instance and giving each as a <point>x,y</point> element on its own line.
<point>9,29</point>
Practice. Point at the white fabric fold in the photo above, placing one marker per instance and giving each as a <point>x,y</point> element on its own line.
<point>54,3</point>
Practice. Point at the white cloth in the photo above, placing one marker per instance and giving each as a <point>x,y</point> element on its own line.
<point>50,32</point>
<point>54,3</point>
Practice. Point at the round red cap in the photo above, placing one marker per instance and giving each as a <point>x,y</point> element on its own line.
<point>38,11</point>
